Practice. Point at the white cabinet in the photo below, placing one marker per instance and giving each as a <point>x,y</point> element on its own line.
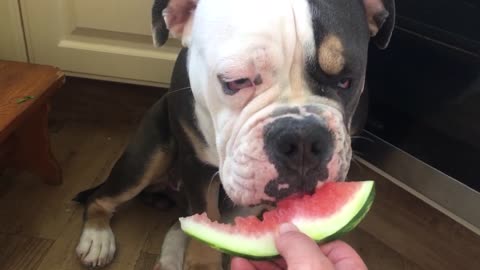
<point>12,42</point>
<point>106,39</point>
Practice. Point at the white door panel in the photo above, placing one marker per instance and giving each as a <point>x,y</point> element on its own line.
<point>114,15</point>
<point>109,39</point>
<point>12,42</point>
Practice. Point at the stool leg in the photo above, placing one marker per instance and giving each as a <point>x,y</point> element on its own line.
<point>32,151</point>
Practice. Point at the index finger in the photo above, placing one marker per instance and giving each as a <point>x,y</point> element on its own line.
<point>343,256</point>
<point>244,264</point>
<point>299,251</point>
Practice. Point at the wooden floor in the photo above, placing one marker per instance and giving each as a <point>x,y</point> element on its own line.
<point>90,124</point>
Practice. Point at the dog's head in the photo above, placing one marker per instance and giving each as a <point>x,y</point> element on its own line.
<point>276,84</point>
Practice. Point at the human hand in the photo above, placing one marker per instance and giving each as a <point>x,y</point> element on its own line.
<point>299,252</point>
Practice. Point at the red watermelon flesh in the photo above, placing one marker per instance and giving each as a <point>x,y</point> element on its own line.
<point>337,206</point>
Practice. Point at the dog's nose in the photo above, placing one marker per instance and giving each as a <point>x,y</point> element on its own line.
<point>299,144</point>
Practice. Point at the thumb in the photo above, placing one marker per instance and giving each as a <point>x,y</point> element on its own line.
<point>299,251</point>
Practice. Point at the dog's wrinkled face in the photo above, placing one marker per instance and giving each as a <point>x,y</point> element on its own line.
<point>276,83</point>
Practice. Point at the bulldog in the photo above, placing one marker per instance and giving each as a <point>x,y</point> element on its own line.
<point>265,96</point>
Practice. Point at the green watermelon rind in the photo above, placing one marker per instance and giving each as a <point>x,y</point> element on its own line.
<point>355,221</point>
<point>352,224</point>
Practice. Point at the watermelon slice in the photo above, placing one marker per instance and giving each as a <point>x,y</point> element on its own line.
<point>334,209</point>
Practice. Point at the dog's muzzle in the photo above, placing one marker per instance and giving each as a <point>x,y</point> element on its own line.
<point>300,148</point>
<point>288,151</point>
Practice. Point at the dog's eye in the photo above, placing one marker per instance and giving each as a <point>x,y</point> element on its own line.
<point>237,85</point>
<point>344,83</point>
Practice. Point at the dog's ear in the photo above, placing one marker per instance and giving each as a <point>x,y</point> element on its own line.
<point>381,20</point>
<point>171,16</point>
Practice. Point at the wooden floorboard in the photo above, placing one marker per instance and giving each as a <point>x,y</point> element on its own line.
<point>22,252</point>
<point>416,230</point>
<point>377,255</point>
<point>36,209</point>
<point>90,125</point>
<point>146,261</point>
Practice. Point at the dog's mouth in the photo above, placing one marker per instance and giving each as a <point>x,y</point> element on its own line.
<point>296,195</point>
<point>261,182</point>
<point>285,154</point>
<point>273,204</point>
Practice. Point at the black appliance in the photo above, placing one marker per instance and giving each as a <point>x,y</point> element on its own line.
<point>424,113</point>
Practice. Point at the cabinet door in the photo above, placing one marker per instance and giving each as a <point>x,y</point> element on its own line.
<point>107,39</point>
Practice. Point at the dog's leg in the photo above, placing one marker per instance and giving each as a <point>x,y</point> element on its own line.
<point>173,249</point>
<point>229,211</point>
<point>147,158</point>
<point>202,195</point>
<point>97,243</point>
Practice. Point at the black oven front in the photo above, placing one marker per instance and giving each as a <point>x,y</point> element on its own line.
<point>424,114</point>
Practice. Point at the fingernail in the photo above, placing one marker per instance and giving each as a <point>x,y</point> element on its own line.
<point>287,227</point>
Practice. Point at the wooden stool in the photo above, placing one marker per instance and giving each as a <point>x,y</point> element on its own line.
<point>25,90</point>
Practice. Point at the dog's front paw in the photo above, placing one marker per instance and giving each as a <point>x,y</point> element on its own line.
<point>96,247</point>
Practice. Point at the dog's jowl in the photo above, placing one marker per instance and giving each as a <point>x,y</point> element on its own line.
<point>265,95</point>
